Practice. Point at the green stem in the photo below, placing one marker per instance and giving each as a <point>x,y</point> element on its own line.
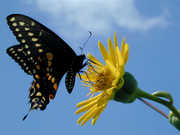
<point>143,94</point>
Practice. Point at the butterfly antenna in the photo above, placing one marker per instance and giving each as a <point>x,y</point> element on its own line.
<point>27,114</point>
<point>81,48</point>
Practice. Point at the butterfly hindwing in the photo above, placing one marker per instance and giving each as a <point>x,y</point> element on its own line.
<point>38,94</point>
<point>42,90</point>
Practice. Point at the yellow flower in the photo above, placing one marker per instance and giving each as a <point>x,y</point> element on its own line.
<point>103,80</point>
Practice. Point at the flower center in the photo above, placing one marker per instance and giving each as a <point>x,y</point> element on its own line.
<point>103,80</point>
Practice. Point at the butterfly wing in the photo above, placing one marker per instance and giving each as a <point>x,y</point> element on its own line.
<point>31,33</point>
<point>18,54</point>
<point>49,54</point>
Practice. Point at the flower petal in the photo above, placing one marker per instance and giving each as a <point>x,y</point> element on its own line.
<point>81,119</point>
<point>98,113</point>
<point>94,60</point>
<point>103,51</point>
<point>111,51</point>
<point>86,107</point>
<point>90,114</point>
<point>88,101</point>
<point>123,47</point>
<point>126,53</point>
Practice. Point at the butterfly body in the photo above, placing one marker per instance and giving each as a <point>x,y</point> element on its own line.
<point>45,56</point>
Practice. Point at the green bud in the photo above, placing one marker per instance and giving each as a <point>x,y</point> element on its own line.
<point>126,94</point>
<point>174,120</point>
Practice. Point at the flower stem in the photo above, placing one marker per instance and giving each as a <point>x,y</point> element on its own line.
<point>142,94</point>
<point>153,107</point>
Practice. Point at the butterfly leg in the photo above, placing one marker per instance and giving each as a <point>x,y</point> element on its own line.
<point>84,73</point>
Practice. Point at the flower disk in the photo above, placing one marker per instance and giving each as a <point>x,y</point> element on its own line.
<point>103,80</point>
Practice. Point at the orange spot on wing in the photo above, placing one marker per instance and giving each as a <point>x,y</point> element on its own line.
<point>51,96</point>
<point>39,58</point>
<point>37,76</point>
<point>32,86</point>
<point>38,67</point>
<point>53,80</point>
<point>49,63</point>
<point>55,86</point>
<point>49,78</point>
<point>49,56</point>
<point>37,85</point>
<point>47,74</point>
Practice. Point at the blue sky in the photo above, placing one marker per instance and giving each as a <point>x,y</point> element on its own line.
<point>151,29</point>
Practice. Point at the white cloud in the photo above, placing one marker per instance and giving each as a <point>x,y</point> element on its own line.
<point>99,16</point>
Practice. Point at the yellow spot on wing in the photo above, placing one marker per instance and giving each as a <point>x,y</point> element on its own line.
<point>32,23</point>
<point>37,45</point>
<point>28,52</point>
<point>23,41</point>
<point>30,34</point>
<point>44,98</point>
<point>26,46</point>
<point>34,39</point>
<point>19,50</point>
<point>40,33</point>
<point>17,29</point>
<point>37,85</point>
<point>11,49</point>
<point>39,94</point>
<point>19,35</point>
<point>40,50</point>
<point>26,28</point>
<point>12,19</point>
<point>14,24</point>
<point>21,23</point>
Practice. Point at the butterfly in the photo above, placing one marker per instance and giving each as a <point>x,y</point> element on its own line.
<point>44,55</point>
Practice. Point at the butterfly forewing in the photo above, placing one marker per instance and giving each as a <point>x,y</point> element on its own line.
<point>36,35</point>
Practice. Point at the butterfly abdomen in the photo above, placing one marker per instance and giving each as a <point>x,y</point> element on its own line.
<point>74,68</point>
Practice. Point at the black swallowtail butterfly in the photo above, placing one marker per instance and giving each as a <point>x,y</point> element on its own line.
<point>45,56</point>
